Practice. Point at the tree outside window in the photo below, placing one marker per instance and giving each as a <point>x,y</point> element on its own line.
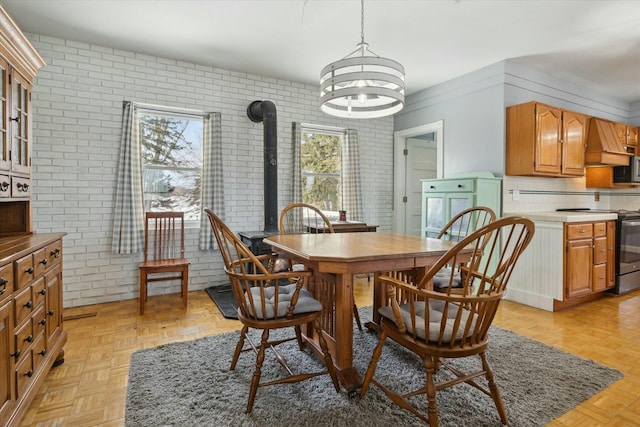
<point>321,170</point>
<point>171,163</point>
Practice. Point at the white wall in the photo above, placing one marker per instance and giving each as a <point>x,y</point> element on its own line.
<point>77,100</point>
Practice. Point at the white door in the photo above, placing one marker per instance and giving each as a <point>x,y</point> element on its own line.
<point>424,148</point>
<point>420,162</point>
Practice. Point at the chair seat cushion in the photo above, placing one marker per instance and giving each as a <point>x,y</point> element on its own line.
<point>306,303</point>
<point>442,277</point>
<point>436,309</point>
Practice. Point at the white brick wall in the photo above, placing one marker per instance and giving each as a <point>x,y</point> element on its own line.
<point>77,100</point>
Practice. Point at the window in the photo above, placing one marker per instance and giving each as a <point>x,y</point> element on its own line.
<point>171,149</point>
<point>321,166</point>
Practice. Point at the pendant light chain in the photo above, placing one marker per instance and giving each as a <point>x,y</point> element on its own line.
<point>362,21</point>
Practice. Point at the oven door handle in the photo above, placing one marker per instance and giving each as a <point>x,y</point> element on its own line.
<point>629,223</point>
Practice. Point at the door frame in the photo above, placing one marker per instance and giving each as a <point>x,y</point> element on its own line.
<point>400,168</point>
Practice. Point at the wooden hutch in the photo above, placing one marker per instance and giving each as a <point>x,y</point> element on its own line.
<point>31,330</point>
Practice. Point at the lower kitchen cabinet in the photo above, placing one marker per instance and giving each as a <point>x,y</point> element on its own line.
<point>589,253</point>
<point>31,328</point>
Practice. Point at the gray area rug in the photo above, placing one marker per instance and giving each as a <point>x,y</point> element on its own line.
<point>190,384</point>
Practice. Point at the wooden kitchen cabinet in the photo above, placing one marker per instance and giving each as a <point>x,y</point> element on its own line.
<point>628,136</point>
<point>589,258</point>
<point>545,141</point>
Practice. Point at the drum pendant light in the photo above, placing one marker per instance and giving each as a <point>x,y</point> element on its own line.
<point>362,85</point>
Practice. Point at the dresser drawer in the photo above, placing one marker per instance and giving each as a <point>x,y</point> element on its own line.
<point>6,282</point>
<point>449,186</point>
<point>20,187</point>
<point>5,186</point>
<point>23,339</point>
<point>38,293</point>
<point>24,272</point>
<point>24,374</point>
<point>53,252</point>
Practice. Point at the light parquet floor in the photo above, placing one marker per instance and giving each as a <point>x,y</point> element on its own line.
<point>89,389</point>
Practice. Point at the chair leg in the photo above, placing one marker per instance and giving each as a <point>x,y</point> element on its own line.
<point>255,380</point>
<point>185,287</point>
<point>493,388</point>
<point>299,337</point>
<point>429,365</point>
<point>327,356</point>
<point>368,376</point>
<point>356,316</point>
<point>239,347</point>
<point>143,290</point>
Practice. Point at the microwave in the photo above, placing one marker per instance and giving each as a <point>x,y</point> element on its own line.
<point>629,173</point>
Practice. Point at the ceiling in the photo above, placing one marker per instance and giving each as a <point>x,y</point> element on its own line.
<point>595,43</point>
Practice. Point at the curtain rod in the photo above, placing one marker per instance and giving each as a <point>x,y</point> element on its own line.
<point>323,128</point>
<point>170,110</point>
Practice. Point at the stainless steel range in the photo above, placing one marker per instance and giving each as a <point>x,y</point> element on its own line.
<point>627,252</point>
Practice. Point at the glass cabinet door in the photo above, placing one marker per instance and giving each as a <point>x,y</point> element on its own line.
<point>20,103</point>
<point>5,164</point>
<point>434,210</point>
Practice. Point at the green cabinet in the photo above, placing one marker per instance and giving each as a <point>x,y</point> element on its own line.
<point>442,199</point>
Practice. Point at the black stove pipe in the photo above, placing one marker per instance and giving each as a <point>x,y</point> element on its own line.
<point>259,111</point>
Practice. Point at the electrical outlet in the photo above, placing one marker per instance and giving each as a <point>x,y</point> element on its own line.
<point>516,194</point>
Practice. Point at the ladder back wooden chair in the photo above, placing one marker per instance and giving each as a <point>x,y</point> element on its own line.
<point>301,218</point>
<point>438,326</point>
<point>458,227</point>
<point>268,301</point>
<point>164,253</point>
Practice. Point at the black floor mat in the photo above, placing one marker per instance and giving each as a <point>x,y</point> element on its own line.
<point>223,297</point>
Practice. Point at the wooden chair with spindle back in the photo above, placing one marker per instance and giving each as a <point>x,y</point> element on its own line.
<point>268,301</point>
<point>164,253</point>
<point>301,218</point>
<point>438,326</point>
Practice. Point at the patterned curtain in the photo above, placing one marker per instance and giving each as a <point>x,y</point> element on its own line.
<point>351,193</point>
<point>128,221</point>
<point>212,178</point>
<point>296,179</point>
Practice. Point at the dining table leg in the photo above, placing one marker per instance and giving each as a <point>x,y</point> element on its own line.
<point>343,358</point>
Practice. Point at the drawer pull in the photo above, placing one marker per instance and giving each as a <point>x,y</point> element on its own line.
<point>55,254</point>
<point>29,304</point>
<point>29,373</point>
<point>3,283</point>
<point>15,119</point>
<point>43,322</point>
<point>22,187</point>
<point>29,338</point>
<point>42,291</point>
<point>50,312</point>
<point>460,186</point>
<point>4,186</point>
<point>29,270</point>
<point>42,352</point>
<point>43,262</point>
<point>16,354</point>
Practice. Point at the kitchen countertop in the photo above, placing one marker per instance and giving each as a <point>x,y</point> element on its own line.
<point>554,216</point>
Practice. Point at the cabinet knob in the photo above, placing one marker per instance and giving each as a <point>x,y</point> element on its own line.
<point>29,338</point>
<point>55,254</point>
<point>15,119</point>
<point>42,291</point>
<point>16,354</point>
<point>29,373</point>
<point>50,312</point>
<point>42,352</point>
<point>3,283</point>
<point>43,322</point>
<point>29,270</point>
<point>29,304</point>
<point>4,186</point>
<point>460,185</point>
<point>432,187</point>
<point>43,262</point>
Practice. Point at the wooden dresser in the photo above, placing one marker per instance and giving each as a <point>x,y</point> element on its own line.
<point>31,329</point>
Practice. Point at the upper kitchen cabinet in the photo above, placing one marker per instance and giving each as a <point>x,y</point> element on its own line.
<point>545,141</point>
<point>628,136</point>
<point>19,62</point>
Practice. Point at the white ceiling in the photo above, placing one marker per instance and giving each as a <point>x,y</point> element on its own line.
<point>593,42</point>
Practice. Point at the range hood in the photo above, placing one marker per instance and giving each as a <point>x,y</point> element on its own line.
<point>603,146</point>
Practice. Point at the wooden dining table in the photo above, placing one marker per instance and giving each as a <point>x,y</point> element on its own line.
<point>334,259</point>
